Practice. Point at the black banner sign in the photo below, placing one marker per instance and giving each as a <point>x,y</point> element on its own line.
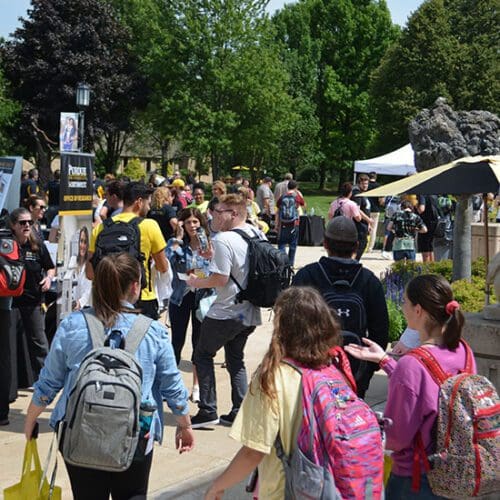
<point>76,184</point>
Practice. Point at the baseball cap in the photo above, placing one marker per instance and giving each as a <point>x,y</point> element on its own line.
<point>178,183</point>
<point>268,179</point>
<point>342,228</point>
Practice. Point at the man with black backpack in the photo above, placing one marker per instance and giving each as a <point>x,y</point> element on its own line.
<point>130,232</point>
<point>287,220</point>
<point>229,320</point>
<point>351,290</point>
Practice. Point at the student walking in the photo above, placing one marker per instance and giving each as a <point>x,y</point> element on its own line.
<point>116,287</point>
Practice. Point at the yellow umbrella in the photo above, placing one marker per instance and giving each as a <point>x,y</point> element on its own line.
<point>470,175</point>
<point>240,167</point>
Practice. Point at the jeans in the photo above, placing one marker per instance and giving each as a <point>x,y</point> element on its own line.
<point>232,335</point>
<point>399,488</point>
<point>289,235</point>
<point>92,484</point>
<point>404,254</point>
<point>179,319</point>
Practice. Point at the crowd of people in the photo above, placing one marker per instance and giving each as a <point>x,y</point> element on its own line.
<point>200,246</point>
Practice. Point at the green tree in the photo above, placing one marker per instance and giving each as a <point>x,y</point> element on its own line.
<point>341,42</point>
<point>60,44</point>
<point>223,91</point>
<point>9,110</point>
<point>449,48</point>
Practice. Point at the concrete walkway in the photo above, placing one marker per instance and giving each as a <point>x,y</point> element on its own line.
<point>177,476</point>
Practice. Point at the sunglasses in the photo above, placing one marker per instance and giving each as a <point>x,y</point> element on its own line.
<point>25,222</point>
<point>42,207</point>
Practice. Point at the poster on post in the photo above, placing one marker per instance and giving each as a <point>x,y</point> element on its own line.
<point>10,180</point>
<point>68,132</point>
<point>74,226</point>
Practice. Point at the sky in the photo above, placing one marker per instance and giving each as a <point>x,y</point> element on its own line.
<point>10,10</point>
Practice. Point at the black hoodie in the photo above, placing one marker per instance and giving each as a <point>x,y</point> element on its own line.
<point>367,285</point>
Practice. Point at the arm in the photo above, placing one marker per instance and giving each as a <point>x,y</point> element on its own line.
<point>89,268</point>
<point>160,261</point>
<point>213,281</point>
<point>240,467</point>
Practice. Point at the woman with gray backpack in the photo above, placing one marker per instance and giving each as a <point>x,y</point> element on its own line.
<point>114,367</point>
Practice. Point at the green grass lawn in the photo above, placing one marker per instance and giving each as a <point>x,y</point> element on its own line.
<point>319,199</point>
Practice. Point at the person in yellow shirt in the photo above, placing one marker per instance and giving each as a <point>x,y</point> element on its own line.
<point>199,201</point>
<point>136,203</point>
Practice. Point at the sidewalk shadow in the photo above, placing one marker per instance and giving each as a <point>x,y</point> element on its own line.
<point>17,418</point>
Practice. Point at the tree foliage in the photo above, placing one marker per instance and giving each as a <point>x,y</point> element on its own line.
<point>60,44</point>
<point>9,110</point>
<point>450,48</point>
<point>223,90</point>
<point>337,44</point>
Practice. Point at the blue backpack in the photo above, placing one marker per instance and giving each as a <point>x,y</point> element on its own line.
<point>288,209</point>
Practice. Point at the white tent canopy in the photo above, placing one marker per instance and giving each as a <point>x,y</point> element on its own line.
<point>399,162</point>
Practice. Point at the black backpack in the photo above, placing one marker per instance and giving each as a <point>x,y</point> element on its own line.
<point>346,300</point>
<point>119,236</point>
<point>338,211</point>
<point>269,272</point>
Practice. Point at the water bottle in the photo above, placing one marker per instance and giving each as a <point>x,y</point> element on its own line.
<point>311,212</point>
<point>202,238</point>
<point>146,412</point>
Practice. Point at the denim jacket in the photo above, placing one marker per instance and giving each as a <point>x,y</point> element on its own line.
<point>182,259</point>
<point>160,380</point>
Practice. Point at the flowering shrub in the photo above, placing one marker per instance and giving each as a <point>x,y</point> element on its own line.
<point>470,294</point>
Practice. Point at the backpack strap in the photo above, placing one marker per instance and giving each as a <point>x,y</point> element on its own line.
<point>430,363</point>
<point>247,238</point>
<point>137,332</point>
<point>418,453</point>
<point>95,328</point>
<point>332,283</point>
<point>469,356</point>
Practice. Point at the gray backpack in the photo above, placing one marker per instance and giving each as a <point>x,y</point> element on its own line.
<point>101,424</point>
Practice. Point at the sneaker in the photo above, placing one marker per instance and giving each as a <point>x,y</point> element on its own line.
<point>202,420</point>
<point>4,421</point>
<point>195,394</point>
<point>227,419</point>
<point>386,255</point>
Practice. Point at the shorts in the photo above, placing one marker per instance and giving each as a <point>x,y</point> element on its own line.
<point>424,242</point>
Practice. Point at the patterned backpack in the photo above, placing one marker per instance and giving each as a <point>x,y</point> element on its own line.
<point>466,462</point>
<point>339,452</point>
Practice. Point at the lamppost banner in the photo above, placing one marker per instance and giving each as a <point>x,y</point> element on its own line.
<point>68,132</point>
<point>76,184</point>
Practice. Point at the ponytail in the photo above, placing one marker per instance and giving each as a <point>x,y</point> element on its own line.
<point>113,277</point>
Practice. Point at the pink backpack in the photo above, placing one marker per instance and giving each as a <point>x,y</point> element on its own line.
<point>339,452</point>
<point>466,462</point>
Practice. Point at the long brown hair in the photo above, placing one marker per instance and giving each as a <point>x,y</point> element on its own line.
<point>186,213</point>
<point>32,238</point>
<point>112,280</point>
<point>304,329</point>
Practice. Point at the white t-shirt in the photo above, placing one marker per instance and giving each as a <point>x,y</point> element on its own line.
<point>231,257</point>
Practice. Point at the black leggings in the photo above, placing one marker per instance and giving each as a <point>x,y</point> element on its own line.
<point>92,484</point>
<point>179,319</point>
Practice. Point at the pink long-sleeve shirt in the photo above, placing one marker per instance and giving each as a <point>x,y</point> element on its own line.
<point>412,403</point>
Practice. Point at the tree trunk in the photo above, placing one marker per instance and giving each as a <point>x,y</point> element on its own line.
<point>215,166</point>
<point>462,237</point>
<point>322,175</point>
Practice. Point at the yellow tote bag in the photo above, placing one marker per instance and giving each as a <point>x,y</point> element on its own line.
<point>28,488</point>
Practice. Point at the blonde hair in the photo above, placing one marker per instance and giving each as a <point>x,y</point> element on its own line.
<point>236,202</point>
<point>220,185</point>
<point>161,195</point>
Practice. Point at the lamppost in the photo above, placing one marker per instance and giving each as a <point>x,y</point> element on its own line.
<point>82,102</point>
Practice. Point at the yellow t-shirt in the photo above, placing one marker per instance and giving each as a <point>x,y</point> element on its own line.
<point>152,241</point>
<point>257,426</point>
